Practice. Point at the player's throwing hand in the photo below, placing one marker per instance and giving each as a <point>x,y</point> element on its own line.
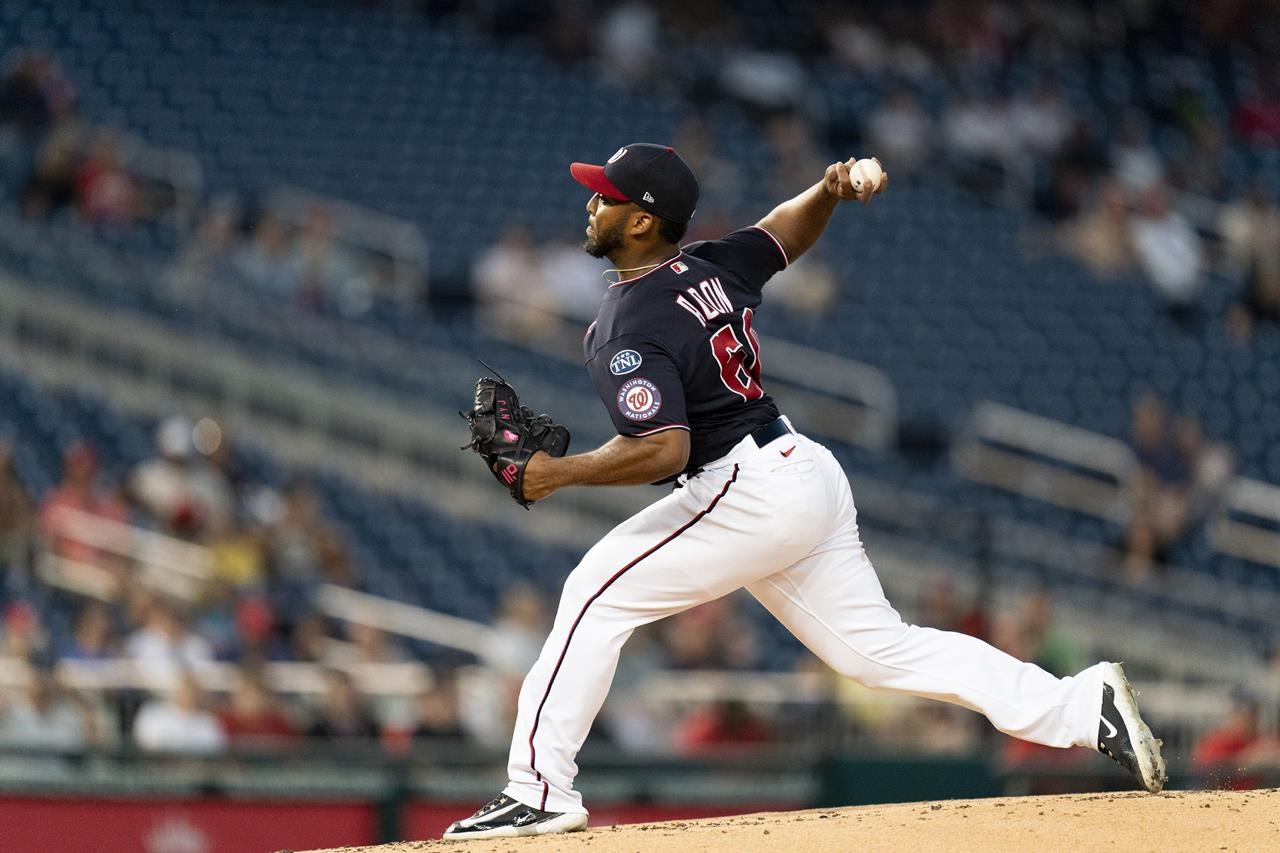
<point>856,179</point>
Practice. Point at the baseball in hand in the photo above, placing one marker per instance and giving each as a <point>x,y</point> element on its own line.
<point>866,173</point>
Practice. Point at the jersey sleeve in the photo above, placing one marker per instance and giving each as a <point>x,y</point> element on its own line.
<point>752,253</point>
<point>639,384</point>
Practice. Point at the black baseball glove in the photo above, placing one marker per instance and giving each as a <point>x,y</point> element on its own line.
<point>506,434</point>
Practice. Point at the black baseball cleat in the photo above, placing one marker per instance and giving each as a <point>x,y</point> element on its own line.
<point>503,817</point>
<point>1124,737</point>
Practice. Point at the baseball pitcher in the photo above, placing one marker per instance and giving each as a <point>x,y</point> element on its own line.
<point>675,358</point>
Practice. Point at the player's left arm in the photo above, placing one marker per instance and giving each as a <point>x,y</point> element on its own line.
<point>622,461</point>
<point>798,222</point>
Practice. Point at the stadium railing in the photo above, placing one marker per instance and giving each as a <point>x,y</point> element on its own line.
<point>1248,523</point>
<point>1042,458</point>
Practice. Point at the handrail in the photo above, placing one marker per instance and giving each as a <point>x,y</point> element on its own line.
<point>1248,523</point>
<point>181,568</point>
<point>375,679</point>
<point>844,398</point>
<point>377,233</point>
<point>127,540</point>
<point>1046,459</point>
<point>407,620</point>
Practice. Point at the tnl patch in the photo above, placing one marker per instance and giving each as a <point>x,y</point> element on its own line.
<point>639,399</point>
<point>624,362</point>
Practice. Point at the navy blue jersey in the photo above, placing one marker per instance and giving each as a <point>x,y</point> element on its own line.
<point>674,348</point>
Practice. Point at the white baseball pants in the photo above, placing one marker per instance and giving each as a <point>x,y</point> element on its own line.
<point>780,521</point>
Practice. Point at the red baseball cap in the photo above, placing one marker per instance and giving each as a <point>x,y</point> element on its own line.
<point>654,177</point>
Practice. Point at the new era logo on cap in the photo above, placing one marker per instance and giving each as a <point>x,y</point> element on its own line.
<point>642,173</point>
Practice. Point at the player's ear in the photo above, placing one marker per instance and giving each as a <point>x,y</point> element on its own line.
<point>642,223</point>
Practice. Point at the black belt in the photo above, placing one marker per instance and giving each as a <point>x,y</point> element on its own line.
<point>775,428</point>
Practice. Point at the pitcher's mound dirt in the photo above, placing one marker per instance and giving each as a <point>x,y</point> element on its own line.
<point>1119,822</point>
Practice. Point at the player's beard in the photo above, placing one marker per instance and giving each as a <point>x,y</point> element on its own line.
<point>604,242</point>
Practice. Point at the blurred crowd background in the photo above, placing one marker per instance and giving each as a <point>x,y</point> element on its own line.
<point>250,251</point>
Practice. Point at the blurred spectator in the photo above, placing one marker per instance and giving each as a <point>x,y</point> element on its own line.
<point>371,644</point>
<point>806,288</point>
<point>105,193</point>
<point>174,488</point>
<point>42,717</point>
<point>981,142</point>
<point>309,640</point>
<point>628,37</point>
<point>796,158</point>
<point>252,718</point>
<point>164,644</point>
<point>1079,164</point>
<point>510,287</point>
<point>719,178</point>
<point>1042,120</point>
<point>1257,118</point>
<point>1136,164</point>
<point>518,632</point>
<point>765,83</point>
<point>205,264</point>
<point>344,713</point>
<point>976,620</point>
<point>438,716</point>
<point>722,724</point>
<point>937,605</point>
<point>15,520</point>
<point>255,624</point>
<point>1210,466</point>
<point>1250,231</point>
<point>179,722</point>
<point>239,555</point>
<point>1180,479</point>
<point>52,185</point>
<point>303,550</point>
<point>1226,755</point>
<point>23,634</point>
<point>941,729</point>
<point>326,275</point>
<point>573,280</point>
<point>213,619</point>
<point>78,492</point>
<point>1169,252</point>
<point>1099,237</point>
<point>710,636</point>
<point>1051,648</point>
<point>25,114</point>
<point>901,133</point>
<point>93,636</point>
<point>266,263</point>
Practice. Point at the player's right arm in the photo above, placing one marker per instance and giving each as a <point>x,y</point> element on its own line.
<point>798,222</point>
<point>622,461</point>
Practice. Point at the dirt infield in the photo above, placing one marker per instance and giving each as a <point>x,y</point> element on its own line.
<point>1128,822</point>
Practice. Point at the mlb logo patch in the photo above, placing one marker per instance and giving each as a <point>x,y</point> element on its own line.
<point>639,399</point>
<point>680,267</point>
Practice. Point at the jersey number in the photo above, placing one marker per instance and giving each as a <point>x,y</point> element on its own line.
<point>738,376</point>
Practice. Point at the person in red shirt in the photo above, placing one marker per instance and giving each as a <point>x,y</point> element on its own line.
<point>724,724</point>
<point>77,491</point>
<point>253,721</point>
<point>1234,748</point>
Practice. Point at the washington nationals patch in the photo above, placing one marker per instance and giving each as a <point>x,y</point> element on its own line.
<point>639,399</point>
